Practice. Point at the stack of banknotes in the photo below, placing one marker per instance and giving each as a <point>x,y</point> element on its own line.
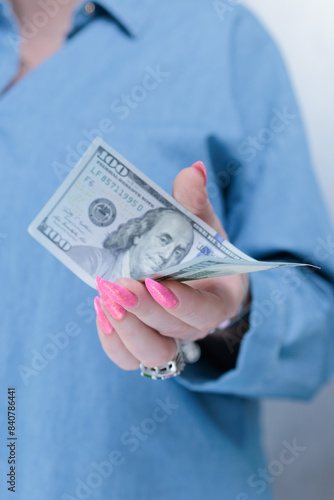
<point>109,219</point>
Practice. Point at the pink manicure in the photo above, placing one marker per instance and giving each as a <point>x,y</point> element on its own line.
<point>201,167</point>
<point>116,292</point>
<point>161,294</point>
<point>102,318</point>
<point>116,310</point>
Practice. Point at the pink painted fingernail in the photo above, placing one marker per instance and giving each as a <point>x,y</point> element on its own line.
<point>116,292</point>
<point>102,318</point>
<point>161,294</point>
<point>201,167</point>
<point>116,310</point>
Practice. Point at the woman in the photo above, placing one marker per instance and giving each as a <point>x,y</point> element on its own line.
<point>166,85</point>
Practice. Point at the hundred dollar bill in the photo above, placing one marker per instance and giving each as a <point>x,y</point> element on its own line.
<point>109,219</point>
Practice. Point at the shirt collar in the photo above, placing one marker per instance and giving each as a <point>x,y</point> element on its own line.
<point>131,14</point>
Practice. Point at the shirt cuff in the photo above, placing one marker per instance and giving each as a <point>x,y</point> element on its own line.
<point>284,352</point>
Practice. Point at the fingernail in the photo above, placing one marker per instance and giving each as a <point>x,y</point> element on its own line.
<point>161,294</point>
<point>116,292</point>
<point>102,318</point>
<point>116,310</point>
<point>201,167</point>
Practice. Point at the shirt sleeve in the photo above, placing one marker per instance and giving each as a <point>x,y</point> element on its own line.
<point>273,211</point>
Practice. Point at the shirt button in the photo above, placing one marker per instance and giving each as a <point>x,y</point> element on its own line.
<point>89,8</point>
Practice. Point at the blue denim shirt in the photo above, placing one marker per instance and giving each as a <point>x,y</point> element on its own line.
<point>166,84</point>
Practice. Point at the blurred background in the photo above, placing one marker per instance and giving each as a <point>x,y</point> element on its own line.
<point>304,32</point>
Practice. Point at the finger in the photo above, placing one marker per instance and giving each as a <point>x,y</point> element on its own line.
<point>116,350</point>
<point>102,318</point>
<point>144,343</point>
<point>135,298</point>
<point>197,307</point>
<point>189,190</point>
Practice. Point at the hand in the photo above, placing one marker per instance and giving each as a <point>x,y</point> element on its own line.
<point>137,322</point>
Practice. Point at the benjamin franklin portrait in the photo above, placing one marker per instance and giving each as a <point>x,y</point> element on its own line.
<point>161,238</point>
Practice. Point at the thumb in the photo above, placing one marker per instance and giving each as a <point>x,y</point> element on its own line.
<point>189,189</point>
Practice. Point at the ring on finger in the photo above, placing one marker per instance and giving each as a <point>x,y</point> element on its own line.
<point>189,352</point>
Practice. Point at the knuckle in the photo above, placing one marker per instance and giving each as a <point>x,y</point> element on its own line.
<point>191,317</point>
<point>182,332</point>
<point>198,200</point>
<point>161,359</point>
<point>207,326</point>
<point>116,351</point>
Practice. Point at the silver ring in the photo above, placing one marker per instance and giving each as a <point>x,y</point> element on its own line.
<point>170,369</point>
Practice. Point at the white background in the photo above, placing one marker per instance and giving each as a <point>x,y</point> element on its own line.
<point>304,32</point>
